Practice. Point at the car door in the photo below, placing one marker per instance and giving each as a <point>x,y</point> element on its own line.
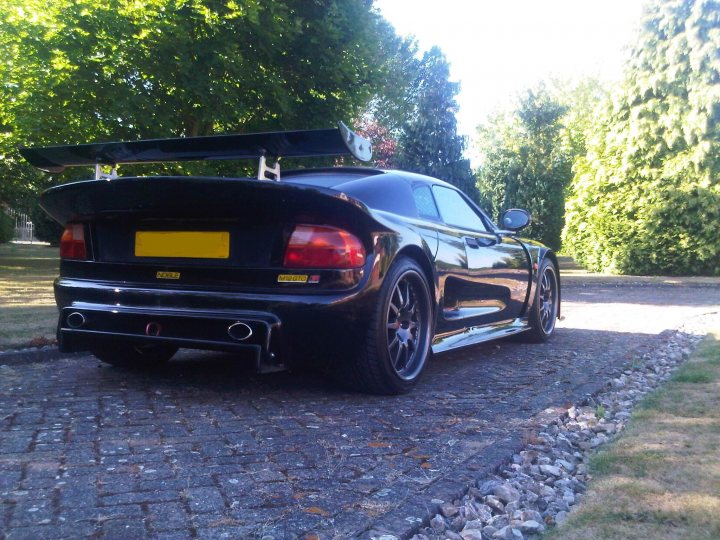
<point>487,275</point>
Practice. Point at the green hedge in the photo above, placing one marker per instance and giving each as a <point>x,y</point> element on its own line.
<point>646,197</point>
<point>635,225</point>
<point>46,228</point>
<point>7,227</point>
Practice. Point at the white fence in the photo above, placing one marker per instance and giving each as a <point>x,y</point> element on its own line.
<point>23,226</point>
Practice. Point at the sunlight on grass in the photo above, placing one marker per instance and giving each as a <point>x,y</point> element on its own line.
<point>572,271</point>
<point>694,373</point>
<point>27,305</point>
<point>661,478</point>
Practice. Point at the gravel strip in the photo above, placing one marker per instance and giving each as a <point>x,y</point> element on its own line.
<point>547,478</point>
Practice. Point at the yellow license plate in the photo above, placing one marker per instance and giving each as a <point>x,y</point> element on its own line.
<point>183,244</point>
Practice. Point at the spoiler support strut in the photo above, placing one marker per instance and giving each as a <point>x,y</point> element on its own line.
<point>100,175</point>
<point>264,170</point>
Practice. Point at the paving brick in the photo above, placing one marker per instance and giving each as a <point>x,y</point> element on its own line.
<point>15,442</point>
<point>48,532</point>
<point>205,499</point>
<point>123,529</point>
<point>203,449</point>
<point>221,532</point>
<point>9,478</point>
<point>72,529</point>
<point>140,497</point>
<point>122,512</point>
<point>72,497</point>
<point>180,534</point>
<point>168,516</point>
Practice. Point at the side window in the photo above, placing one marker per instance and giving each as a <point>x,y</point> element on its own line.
<point>455,211</point>
<point>425,203</point>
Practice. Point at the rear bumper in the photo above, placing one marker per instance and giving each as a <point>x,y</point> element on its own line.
<point>83,325</point>
<point>93,313</point>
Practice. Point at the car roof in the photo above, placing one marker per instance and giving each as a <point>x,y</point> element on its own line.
<point>337,177</point>
<point>385,190</point>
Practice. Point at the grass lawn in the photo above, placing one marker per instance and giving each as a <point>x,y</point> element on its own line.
<point>661,478</point>
<point>571,272</point>
<point>27,306</point>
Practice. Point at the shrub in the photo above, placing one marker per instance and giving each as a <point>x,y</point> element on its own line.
<point>46,228</point>
<point>646,197</point>
<point>7,227</point>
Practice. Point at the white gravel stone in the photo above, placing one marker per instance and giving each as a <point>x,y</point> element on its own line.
<point>550,470</point>
<point>546,478</point>
<point>472,534</point>
<point>506,493</point>
<point>531,526</point>
<point>473,524</point>
<point>495,503</point>
<point>438,523</point>
<point>508,533</point>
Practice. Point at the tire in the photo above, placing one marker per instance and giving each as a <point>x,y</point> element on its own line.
<point>544,310</point>
<point>132,356</point>
<point>397,343</point>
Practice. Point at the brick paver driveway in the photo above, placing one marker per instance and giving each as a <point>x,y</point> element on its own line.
<point>204,449</point>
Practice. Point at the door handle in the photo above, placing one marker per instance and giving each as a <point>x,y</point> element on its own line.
<point>486,242</point>
<point>471,242</point>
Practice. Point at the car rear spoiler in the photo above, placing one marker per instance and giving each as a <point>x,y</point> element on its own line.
<point>304,143</point>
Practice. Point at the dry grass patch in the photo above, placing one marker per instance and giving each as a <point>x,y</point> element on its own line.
<point>27,306</point>
<point>661,478</point>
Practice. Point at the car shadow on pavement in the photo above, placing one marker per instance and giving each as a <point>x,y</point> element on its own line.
<point>216,371</point>
<point>571,357</point>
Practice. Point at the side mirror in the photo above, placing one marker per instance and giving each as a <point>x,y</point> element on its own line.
<point>515,219</point>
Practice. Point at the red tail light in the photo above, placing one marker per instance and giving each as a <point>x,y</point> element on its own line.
<point>72,242</point>
<point>315,246</point>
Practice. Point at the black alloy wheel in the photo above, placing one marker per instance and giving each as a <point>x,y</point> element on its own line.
<point>397,345</point>
<point>544,311</point>
<point>406,326</point>
<point>547,296</point>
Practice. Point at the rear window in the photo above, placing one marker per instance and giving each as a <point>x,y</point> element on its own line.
<point>425,203</point>
<point>384,193</point>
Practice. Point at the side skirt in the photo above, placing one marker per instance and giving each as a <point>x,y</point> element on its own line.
<point>478,334</point>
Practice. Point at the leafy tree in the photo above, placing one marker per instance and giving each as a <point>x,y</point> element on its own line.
<point>525,164</point>
<point>581,99</point>
<point>395,105</point>
<point>77,70</point>
<point>383,144</point>
<point>646,197</point>
<point>429,142</point>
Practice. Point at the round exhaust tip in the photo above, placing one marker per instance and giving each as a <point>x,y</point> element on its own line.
<point>153,329</point>
<point>75,319</point>
<point>239,331</point>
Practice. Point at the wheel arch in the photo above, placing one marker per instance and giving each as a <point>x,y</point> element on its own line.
<point>550,254</point>
<point>419,256</point>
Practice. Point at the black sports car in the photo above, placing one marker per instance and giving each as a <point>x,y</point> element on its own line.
<point>369,270</point>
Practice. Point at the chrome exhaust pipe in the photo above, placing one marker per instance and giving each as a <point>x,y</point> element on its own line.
<point>239,331</point>
<point>75,319</point>
<point>153,329</point>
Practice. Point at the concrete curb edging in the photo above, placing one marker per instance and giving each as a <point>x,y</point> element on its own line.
<point>32,355</point>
